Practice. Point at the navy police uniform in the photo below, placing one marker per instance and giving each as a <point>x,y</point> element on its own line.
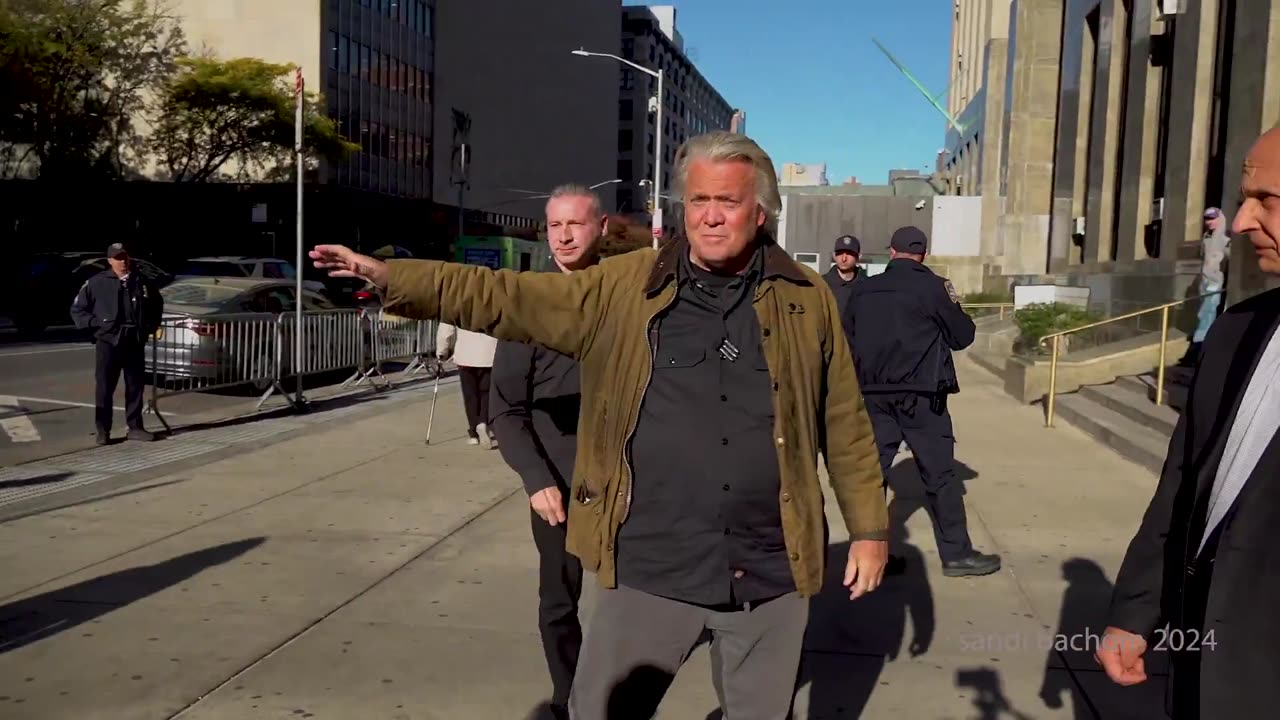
<point>122,312</point>
<point>840,287</point>
<point>903,324</point>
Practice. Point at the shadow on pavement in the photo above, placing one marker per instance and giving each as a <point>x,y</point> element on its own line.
<point>36,618</point>
<point>989,699</point>
<point>52,477</point>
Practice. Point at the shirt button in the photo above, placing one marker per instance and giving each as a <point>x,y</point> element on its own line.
<point>724,398</point>
<point>724,441</point>
<point>727,531</point>
<point>726,487</point>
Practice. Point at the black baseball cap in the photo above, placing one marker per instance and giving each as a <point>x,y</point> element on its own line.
<point>848,243</point>
<point>909,239</point>
<point>115,250</point>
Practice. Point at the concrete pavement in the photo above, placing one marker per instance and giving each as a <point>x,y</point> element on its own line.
<point>355,573</point>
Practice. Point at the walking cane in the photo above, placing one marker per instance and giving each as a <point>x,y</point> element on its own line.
<point>435,393</point>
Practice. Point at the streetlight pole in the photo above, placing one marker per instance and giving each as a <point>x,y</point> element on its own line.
<point>657,148</point>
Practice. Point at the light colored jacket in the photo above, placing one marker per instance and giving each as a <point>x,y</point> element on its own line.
<point>468,349</point>
<point>1216,246</point>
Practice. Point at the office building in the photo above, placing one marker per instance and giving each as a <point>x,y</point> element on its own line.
<point>738,123</point>
<point>412,95</point>
<point>1107,129</point>
<point>691,106</point>
<point>373,60</point>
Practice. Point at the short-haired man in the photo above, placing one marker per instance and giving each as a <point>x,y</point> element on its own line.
<point>1201,578</point>
<point>844,272</point>
<point>906,321</point>
<point>534,399</point>
<point>714,372</point>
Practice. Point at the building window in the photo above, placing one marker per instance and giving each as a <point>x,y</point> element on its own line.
<point>625,143</point>
<point>364,63</point>
<point>626,109</point>
<point>344,51</point>
<point>364,137</point>
<point>650,147</point>
<point>375,67</point>
<point>628,47</point>
<point>628,81</point>
<point>651,53</point>
<point>333,50</point>
<point>624,170</point>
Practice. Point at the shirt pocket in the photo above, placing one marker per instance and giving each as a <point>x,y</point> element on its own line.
<point>679,358</point>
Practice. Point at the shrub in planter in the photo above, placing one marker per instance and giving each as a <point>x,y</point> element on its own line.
<point>1040,319</point>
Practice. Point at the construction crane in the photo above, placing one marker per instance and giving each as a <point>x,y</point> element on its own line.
<point>933,100</point>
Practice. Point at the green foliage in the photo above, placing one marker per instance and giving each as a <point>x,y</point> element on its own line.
<point>239,111</point>
<point>74,74</point>
<point>1040,319</point>
<point>987,297</point>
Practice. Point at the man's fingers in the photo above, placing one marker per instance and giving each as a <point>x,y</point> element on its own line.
<point>850,572</point>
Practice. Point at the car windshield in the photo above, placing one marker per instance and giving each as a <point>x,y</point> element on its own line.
<point>208,268</point>
<point>203,294</point>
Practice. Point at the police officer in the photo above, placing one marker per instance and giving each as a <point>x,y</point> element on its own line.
<point>844,270</point>
<point>905,322</point>
<point>123,309</point>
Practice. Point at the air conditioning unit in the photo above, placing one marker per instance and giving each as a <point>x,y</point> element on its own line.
<point>1157,210</point>
<point>1079,227</point>
<point>1171,7</point>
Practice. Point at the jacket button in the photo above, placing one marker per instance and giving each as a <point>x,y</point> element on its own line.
<point>609,547</point>
<point>775,386</point>
<point>765,332</point>
<point>786,497</point>
<point>597,511</point>
<point>781,442</point>
<point>791,307</point>
<point>795,556</point>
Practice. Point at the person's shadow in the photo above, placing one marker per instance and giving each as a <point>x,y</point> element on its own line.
<point>989,698</point>
<point>848,643</point>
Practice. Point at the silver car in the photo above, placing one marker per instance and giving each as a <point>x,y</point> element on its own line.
<point>220,331</point>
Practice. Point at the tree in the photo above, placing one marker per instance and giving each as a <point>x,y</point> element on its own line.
<point>74,77</point>
<point>238,113</point>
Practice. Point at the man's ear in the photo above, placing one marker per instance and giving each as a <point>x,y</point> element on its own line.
<point>760,216</point>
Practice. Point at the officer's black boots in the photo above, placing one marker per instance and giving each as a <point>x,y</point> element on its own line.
<point>104,438</point>
<point>975,564</point>
<point>141,435</point>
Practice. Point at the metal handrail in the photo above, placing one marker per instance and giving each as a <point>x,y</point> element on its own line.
<point>1164,342</point>
<point>984,306</point>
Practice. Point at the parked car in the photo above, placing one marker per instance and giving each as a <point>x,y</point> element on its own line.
<point>222,331</point>
<point>247,267</point>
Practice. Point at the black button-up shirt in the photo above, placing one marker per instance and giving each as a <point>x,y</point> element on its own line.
<point>705,525</point>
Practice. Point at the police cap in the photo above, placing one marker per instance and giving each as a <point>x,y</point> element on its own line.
<point>848,243</point>
<point>909,239</point>
<point>115,250</point>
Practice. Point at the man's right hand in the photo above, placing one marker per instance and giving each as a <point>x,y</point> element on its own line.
<point>549,504</point>
<point>342,261</point>
<point>1120,654</point>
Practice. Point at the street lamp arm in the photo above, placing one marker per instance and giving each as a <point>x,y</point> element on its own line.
<point>624,61</point>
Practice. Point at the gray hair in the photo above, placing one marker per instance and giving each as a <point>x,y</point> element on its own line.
<point>720,146</point>
<point>577,190</point>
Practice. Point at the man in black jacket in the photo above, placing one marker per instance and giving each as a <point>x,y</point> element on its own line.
<point>1201,578</point>
<point>123,308</point>
<point>534,399</point>
<point>903,325</point>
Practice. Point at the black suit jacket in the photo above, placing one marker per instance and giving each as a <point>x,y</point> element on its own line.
<point>1227,599</point>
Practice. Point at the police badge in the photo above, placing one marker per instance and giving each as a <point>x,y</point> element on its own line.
<point>951,291</point>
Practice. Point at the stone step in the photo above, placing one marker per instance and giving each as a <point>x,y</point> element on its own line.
<point>1176,385</point>
<point>1132,401</point>
<point>1130,439</point>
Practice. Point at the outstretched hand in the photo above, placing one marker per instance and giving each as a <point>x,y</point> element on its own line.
<point>342,261</point>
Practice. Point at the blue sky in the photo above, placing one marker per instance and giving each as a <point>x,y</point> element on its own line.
<point>815,88</point>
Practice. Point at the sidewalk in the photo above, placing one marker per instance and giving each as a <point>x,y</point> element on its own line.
<point>352,572</point>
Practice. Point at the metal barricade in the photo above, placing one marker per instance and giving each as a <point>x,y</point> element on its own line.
<point>393,338</point>
<point>208,352</point>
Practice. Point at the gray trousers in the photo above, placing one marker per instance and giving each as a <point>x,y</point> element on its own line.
<point>637,642</point>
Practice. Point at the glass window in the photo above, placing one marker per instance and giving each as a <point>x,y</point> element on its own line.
<point>624,169</point>
<point>333,50</point>
<point>412,73</point>
<point>364,63</point>
<point>364,136</point>
<point>354,70</point>
<point>394,151</point>
<point>375,136</point>
<point>626,109</point>
<point>413,14</point>
<point>625,141</point>
<point>395,75</point>
<point>344,50</point>
<point>427,14</point>
<point>375,68</point>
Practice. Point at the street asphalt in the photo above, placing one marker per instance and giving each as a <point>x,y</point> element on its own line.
<point>47,395</point>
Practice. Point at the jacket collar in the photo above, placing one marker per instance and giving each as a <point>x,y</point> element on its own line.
<point>777,263</point>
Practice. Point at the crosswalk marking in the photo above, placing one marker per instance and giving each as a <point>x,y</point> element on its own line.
<point>17,425</point>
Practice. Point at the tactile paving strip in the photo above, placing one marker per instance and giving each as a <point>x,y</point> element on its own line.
<point>26,482</point>
<point>233,434</point>
<point>129,457</point>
